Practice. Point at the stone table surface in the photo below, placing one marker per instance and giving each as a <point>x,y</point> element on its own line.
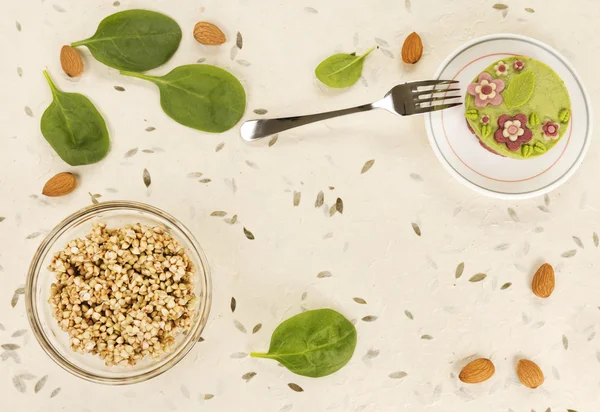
<point>428,322</point>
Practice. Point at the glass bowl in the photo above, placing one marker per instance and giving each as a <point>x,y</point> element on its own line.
<point>55,342</point>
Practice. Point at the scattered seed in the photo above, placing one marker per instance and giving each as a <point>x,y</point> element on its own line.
<point>513,215</point>
<point>244,63</point>
<point>332,210</point>
<point>218,213</point>
<point>40,384</point>
<point>578,242</point>
<point>239,326</point>
<point>273,140</point>
<point>500,6</point>
<point>339,205</point>
<point>18,25</point>
<point>119,88</point>
<point>20,71</point>
<point>381,42</point>
<point>28,111</point>
<point>233,52</point>
<point>117,3</point>
<point>569,253</point>
<point>201,339</point>
<point>256,328</point>
<point>295,387</point>
<point>261,111</point>
<point>328,235</point>
<point>185,392</point>
<point>538,325</point>
<point>2,218</point>
<point>371,354</point>
<point>205,180</point>
<point>201,60</point>
<point>19,333</point>
<point>150,129</point>
<point>19,384</point>
<point>459,270</point>
<point>324,274</point>
<point>252,164</point>
<point>233,304</point>
<point>409,314</point>
<point>360,301</point>
<point>416,228</point>
<point>565,342</point>
<point>368,165</point>
<point>232,185</point>
<point>478,277</point>
<point>369,318</point>
<point>238,355</point>
<point>320,199</point>
<point>208,396</point>
<point>219,147</point>
<point>130,153</point>
<point>502,247</point>
<point>398,375</point>
<point>33,235</point>
<point>239,41</point>
<point>58,8</point>
<point>9,346</point>
<point>506,286</point>
<point>427,337</point>
<point>416,177</point>
<point>297,197</point>
<point>248,234</point>
<point>248,376</point>
<point>530,10</point>
<point>147,178</point>
<point>232,220</point>
<point>595,237</point>
<point>194,175</point>
<point>544,209</point>
<point>591,337</point>
<point>55,392</point>
<point>310,10</point>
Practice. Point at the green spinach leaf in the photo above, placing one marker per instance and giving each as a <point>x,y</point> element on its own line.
<point>74,127</point>
<point>136,40</point>
<point>314,343</point>
<point>341,70</point>
<point>200,96</point>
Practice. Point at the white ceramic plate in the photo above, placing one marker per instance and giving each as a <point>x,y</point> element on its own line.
<point>459,150</point>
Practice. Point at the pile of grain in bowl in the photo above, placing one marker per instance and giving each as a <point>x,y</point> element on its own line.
<point>123,294</point>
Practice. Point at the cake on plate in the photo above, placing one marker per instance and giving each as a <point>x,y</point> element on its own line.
<point>518,107</point>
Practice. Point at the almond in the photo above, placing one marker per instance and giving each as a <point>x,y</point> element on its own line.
<point>208,34</point>
<point>412,50</point>
<point>543,281</point>
<point>60,185</point>
<point>529,374</point>
<point>477,371</point>
<point>71,61</point>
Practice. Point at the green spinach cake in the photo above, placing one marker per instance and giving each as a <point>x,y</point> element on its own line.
<point>518,107</point>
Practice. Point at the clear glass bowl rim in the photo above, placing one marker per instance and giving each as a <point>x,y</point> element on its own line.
<point>36,268</point>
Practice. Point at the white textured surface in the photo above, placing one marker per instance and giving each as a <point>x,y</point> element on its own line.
<point>372,251</point>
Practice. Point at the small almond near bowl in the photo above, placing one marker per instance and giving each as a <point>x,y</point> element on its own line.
<point>71,61</point>
<point>529,373</point>
<point>477,371</point>
<point>543,281</point>
<point>412,50</point>
<point>60,185</point>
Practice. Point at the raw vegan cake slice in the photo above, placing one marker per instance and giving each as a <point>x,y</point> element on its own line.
<point>518,107</point>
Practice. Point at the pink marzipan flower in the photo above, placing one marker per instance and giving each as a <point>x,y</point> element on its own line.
<point>513,131</point>
<point>486,91</point>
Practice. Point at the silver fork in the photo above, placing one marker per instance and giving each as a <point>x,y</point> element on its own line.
<point>405,99</point>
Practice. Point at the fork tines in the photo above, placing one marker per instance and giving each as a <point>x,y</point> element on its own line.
<point>436,96</point>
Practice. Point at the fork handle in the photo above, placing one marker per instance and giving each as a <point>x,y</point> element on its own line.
<point>257,129</point>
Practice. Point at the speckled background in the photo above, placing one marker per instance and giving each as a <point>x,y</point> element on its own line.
<point>371,249</point>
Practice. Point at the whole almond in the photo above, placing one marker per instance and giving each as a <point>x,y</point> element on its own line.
<point>543,281</point>
<point>71,61</point>
<point>412,50</point>
<point>477,371</point>
<point>529,374</point>
<point>60,185</point>
<point>208,34</point>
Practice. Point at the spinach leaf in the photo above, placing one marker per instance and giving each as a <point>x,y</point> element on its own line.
<point>341,70</point>
<point>74,127</point>
<point>200,96</point>
<point>314,343</point>
<point>136,40</point>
